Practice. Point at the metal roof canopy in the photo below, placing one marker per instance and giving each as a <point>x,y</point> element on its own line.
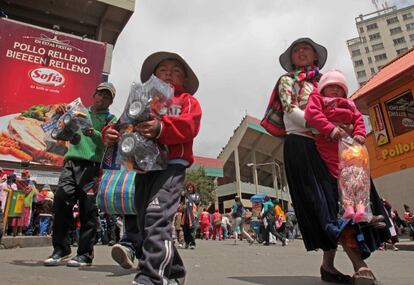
<point>101,20</point>
<point>249,138</point>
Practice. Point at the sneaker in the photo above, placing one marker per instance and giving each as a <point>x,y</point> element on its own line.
<point>176,281</point>
<point>57,258</point>
<point>285,242</point>
<point>81,260</point>
<point>192,246</point>
<point>123,255</point>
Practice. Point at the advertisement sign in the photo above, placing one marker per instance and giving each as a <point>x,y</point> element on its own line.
<point>378,125</point>
<point>401,113</point>
<point>41,69</point>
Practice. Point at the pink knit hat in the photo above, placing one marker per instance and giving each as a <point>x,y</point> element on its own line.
<point>333,76</point>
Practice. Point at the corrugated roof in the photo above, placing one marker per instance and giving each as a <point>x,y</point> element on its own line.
<point>387,73</point>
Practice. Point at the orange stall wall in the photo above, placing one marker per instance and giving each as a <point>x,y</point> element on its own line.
<point>398,154</point>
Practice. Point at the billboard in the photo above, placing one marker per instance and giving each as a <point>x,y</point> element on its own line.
<point>41,69</point>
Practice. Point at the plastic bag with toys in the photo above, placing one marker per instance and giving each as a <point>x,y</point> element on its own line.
<point>66,126</point>
<point>135,152</point>
<point>354,180</point>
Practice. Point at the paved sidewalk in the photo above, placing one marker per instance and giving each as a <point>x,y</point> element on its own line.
<point>212,262</point>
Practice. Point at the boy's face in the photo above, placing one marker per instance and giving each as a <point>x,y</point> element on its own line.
<point>171,71</point>
<point>303,55</point>
<point>333,90</point>
<point>102,99</point>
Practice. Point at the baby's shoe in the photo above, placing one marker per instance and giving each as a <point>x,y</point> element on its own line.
<point>360,213</point>
<point>349,212</point>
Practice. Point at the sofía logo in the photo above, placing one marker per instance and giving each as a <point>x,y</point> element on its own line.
<point>47,76</point>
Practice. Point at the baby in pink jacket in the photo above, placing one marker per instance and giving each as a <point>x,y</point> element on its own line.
<point>330,112</point>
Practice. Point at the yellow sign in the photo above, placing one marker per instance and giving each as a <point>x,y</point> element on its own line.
<point>397,150</point>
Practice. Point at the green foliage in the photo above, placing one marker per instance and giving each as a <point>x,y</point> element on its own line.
<point>205,185</point>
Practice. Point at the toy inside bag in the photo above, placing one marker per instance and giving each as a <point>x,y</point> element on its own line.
<point>354,180</point>
<point>135,152</point>
<point>66,127</point>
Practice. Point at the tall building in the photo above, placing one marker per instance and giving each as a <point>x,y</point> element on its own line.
<point>383,35</point>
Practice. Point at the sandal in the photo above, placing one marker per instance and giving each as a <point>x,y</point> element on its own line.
<point>364,276</point>
<point>335,277</point>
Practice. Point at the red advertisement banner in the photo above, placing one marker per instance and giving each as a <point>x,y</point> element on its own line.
<point>40,69</point>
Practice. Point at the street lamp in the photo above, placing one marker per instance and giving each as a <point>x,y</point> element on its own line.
<point>278,175</point>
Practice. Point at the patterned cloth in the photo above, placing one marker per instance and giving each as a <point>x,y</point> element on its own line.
<point>285,96</point>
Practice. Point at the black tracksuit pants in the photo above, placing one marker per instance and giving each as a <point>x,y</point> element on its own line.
<point>157,198</point>
<point>77,183</point>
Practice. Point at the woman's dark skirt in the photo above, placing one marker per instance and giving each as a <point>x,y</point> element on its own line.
<point>314,193</point>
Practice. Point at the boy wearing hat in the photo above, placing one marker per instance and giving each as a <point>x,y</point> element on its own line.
<point>159,192</point>
<point>78,182</point>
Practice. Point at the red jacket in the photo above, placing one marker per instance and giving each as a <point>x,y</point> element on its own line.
<point>323,114</point>
<point>181,125</point>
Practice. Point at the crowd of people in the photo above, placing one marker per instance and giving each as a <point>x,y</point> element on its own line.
<point>311,118</point>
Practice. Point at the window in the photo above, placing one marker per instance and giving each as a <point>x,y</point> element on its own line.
<point>358,63</point>
<point>378,46</point>
<point>356,52</point>
<point>380,57</point>
<point>374,36</point>
<point>369,59</point>
<point>399,112</point>
<point>361,74</point>
<point>399,41</point>
<point>361,29</point>
<point>392,20</point>
<point>372,71</point>
<point>396,30</point>
<point>410,26</point>
<point>372,26</point>
<point>407,16</point>
<point>412,37</point>
<point>400,51</point>
<point>367,49</point>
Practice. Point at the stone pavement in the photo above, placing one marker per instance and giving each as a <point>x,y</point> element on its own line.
<point>212,262</point>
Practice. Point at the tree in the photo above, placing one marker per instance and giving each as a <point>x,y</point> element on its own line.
<point>204,183</point>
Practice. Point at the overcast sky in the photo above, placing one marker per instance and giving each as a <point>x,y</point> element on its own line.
<point>233,46</point>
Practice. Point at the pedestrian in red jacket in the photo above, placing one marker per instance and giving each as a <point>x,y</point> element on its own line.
<point>204,224</point>
<point>217,225</point>
<point>159,192</point>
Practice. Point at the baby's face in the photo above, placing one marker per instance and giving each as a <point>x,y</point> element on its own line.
<point>171,71</point>
<point>333,90</point>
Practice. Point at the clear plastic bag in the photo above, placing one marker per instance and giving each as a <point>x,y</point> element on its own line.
<point>66,126</point>
<point>354,180</point>
<point>135,152</point>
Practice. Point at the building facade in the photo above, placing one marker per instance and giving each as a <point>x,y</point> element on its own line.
<point>382,36</point>
<point>252,164</point>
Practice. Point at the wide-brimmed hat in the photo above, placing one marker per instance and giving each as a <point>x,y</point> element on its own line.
<point>152,61</point>
<point>107,86</point>
<point>285,58</point>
